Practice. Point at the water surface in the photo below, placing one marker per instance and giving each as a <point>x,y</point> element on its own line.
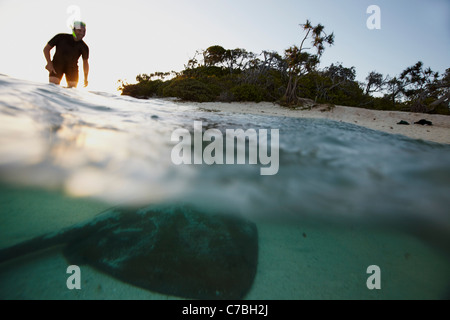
<point>344,198</point>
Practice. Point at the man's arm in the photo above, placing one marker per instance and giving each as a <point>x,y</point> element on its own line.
<point>49,65</point>
<point>86,71</point>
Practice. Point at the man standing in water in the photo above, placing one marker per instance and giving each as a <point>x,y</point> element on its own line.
<point>69,48</point>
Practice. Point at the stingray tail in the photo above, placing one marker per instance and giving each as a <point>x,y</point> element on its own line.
<point>63,236</point>
<point>39,243</point>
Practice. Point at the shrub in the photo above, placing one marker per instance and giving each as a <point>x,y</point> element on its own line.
<point>247,92</point>
<point>143,89</point>
<point>189,89</point>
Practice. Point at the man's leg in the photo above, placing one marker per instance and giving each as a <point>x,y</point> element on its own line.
<point>54,80</point>
<point>72,84</point>
<point>72,77</point>
<point>55,77</point>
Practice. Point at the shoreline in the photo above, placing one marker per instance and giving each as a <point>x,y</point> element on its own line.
<point>386,121</point>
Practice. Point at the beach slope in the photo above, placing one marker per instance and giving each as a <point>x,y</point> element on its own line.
<point>386,121</point>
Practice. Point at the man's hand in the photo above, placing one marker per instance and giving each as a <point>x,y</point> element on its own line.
<point>50,67</point>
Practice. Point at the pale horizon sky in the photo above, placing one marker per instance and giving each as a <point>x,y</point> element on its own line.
<point>127,38</point>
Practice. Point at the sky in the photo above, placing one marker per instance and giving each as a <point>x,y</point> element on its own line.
<point>127,38</point>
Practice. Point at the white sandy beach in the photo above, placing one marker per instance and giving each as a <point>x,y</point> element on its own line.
<point>374,119</point>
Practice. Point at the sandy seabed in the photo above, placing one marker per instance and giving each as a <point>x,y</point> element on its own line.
<point>296,262</point>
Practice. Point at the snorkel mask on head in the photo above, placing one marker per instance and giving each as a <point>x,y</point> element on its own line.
<point>77,25</point>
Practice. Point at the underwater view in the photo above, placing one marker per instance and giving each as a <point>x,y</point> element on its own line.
<point>119,187</point>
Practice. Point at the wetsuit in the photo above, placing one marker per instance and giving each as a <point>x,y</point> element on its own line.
<point>68,51</point>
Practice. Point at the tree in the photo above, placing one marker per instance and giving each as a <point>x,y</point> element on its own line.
<point>333,77</point>
<point>160,75</point>
<point>375,82</point>
<point>418,85</point>
<point>143,77</point>
<point>395,88</point>
<point>442,90</point>
<point>193,62</point>
<point>262,69</point>
<point>214,55</point>
<point>238,59</point>
<point>273,61</point>
<point>301,62</point>
<point>231,59</point>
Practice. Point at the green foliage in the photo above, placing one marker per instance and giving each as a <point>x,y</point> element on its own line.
<point>273,85</point>
<point>238,75</point>
<point>214,55</point>
<point>144,89</point>
<point>247,92</point>
<point>233,60</point>
<point>442,109</point>
<point>204,72</point>
<point>348,94</point>
<point>375,82</point>
<point>189,89</point>
<point>300,62</point>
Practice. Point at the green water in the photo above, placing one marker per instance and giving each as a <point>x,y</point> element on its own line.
<point>298,259</point>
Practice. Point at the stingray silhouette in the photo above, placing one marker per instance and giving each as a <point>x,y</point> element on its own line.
<point>174,250</point>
